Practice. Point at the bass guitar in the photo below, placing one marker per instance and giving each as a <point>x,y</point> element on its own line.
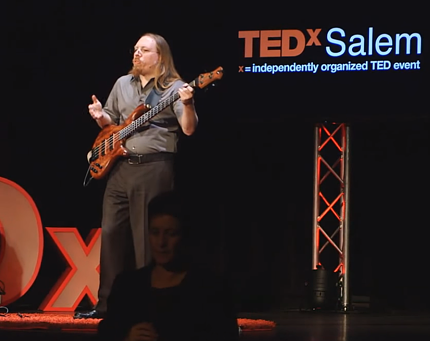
<point>109,144</point>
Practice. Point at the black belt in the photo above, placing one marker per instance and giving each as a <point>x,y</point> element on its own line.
<point>137,159</point>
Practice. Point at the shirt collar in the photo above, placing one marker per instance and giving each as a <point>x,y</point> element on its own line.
<point>137,80</point>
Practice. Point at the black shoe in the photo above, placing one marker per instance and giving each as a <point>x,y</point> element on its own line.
<point>93,314</point>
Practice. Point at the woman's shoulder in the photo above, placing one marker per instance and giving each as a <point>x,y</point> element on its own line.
<point>135,275</point>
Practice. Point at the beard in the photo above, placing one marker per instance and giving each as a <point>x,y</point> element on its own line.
<point>136,70</point>
<point>142,68</point>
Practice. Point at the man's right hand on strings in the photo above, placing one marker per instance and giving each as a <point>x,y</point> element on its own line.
<point>95,108</point>
<point>98,114</point>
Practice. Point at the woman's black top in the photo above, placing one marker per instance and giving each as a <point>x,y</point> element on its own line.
<point>200,308</point>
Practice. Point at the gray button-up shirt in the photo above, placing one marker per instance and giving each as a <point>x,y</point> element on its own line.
<point>162,133</point>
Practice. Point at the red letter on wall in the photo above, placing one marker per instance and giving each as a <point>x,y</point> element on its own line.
<point>82,276</point>
<point>21,240</point>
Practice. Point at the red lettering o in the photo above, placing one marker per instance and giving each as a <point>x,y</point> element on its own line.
<point>21,240</point>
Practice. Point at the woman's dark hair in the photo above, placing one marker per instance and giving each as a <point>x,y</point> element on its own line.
<point>169,203</point>
<point>172,204</point>
<point>165,203</point>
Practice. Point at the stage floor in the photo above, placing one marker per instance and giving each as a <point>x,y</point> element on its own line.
<point>319,326</point>
<point>291,326</point>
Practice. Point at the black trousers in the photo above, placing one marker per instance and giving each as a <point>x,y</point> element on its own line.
<point>124,242</point>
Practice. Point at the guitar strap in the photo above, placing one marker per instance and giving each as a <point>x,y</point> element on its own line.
<point>153,97</point>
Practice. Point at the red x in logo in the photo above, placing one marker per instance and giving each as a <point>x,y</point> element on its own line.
<point>241,68</point>
<point>313,37</point>
<point>82,276</point>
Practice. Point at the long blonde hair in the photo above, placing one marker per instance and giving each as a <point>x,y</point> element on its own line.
<point>165,73</point>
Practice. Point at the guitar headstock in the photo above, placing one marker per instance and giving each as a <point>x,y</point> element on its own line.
<point>205,79</point>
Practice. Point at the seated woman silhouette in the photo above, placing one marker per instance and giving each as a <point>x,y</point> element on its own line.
<point>170,299</point>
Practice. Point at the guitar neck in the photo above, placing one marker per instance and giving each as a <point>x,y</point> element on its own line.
<point>136,124</point>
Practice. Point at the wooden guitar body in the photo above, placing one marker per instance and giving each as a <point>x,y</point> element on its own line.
<point>108,146</point>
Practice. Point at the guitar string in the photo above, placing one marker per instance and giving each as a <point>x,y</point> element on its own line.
<point>143,119</point>
<point>114,138</point>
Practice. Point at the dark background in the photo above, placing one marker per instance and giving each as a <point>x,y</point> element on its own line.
<point>249,167</point>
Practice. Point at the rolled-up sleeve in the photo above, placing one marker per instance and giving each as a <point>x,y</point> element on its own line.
<point>111,105</point>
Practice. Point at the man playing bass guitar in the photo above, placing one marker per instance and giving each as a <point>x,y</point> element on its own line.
<point>147,170</point>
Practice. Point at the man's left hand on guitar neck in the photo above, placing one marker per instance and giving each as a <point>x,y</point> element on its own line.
<point>188,119</point>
